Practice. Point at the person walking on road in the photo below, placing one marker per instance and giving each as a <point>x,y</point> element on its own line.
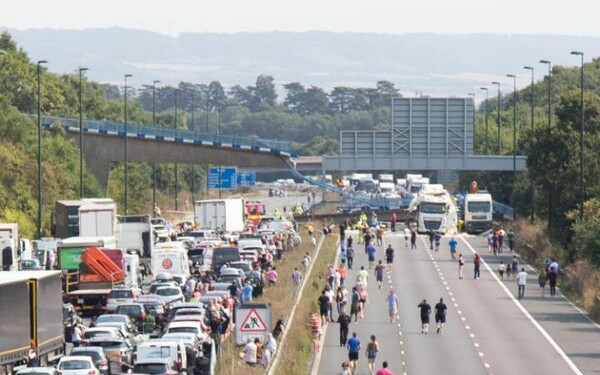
<point>344,320</point>
<point>521,282</point>
<point>543,280</point>
<point>371,250</point>
<point>511,236</point>
<point>476,266</point>
<point>413,239</point>
<point>514,265</point>
<point>407,235</point>
<point>501,269</point>
<point>353,350</point>
<point>425,312</point>
<point>315,328</point>
<point>453,244</point>
<point>461,266</point>
<point>389,257</point>
<point>379,271</point>
<point>371,353</point>
<point>362,277</point>
<point>440,315</point>
<point>392,302</point>
<point>552,276</point>
<point>345,369</point>
<point>350,255</point>
<point>354,304</point>
<point>384,369</point>
<point>324,306</point>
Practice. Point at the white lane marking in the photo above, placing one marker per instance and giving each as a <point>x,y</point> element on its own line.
<point>528,315</point>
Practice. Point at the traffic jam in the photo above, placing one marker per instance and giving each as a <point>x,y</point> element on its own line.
<point>138,294</point>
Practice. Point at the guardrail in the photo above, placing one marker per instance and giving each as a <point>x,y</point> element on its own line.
<point>168,134</point>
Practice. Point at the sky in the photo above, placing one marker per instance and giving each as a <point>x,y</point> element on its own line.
<point>573,17</point>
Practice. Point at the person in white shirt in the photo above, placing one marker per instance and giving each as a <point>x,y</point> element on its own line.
<point>250,352</point>
<point>521,282</point>
<point>406,235</point>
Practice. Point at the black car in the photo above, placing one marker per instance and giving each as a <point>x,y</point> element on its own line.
<point>96,353</point>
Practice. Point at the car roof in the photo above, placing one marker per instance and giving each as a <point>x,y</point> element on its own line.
<point>187,323</point>
<point>122,316</point>
<point>88,349</point>
<point>103,329</point>
<point>154,360</point>
<point>76,358</point>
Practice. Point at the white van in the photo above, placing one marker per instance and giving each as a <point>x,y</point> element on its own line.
<point>171,257</point>
<point>132,273</point>
<point>151,349</point>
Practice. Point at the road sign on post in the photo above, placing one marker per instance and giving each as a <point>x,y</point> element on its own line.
<point>252,320</point>
<point>246,178</point>
<point>228,178</point>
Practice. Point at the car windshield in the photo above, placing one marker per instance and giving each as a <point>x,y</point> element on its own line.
<point>150,368</point>
<point>129,310</point>
<point>112,318</point>
<point>188,312</point>
<point>95,356</point>
<point>168,291</point>
<point>108,344</point>
<point>120,294</point>
<point>183,329</point>
<point>479,207</point>
<point>91,334</point>
<point>75,365</point>
<point>432,208</point>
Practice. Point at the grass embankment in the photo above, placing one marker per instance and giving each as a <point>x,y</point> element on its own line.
<point>281,297</point>
<point>579,281</point>
<point>297,354</point>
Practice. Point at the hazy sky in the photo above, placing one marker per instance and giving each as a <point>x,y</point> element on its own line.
<point>573,17</point>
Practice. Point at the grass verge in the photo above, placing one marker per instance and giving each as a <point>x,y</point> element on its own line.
<point>281,297</point>
<point>297,356</point>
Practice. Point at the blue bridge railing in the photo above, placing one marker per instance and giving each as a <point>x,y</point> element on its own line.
<point>168,134</point>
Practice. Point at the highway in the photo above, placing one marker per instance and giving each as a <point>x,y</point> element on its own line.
<point>487,332</point>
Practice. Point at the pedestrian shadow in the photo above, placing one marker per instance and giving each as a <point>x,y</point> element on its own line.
<point>586,355</point>
<point>561,317</point>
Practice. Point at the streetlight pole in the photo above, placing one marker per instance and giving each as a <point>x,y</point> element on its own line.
<point>514,77</point>
<point>126,177</point>
<point>39,144</point>
<point>207,113</point>
<point>472,94</point>
<point>498,121</point>
<point>550,188</point>
<point>176,166</point>
<point>81,70</point>
<point>549,91</point>
<point>154,125</point>
<point>531,99</point>
<point>581,129</point>
<point>486,118</point>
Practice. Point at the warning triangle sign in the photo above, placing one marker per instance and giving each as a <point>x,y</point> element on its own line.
<point>253,322</point>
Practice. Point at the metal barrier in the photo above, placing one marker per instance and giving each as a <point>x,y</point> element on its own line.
<point>168,134</point>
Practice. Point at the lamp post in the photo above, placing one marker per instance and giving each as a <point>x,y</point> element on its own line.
<point>514,77</point>
<point>549,91</point>
<point>486,118</point>
<point>39,144</point>
<point>81,70</point>
<point>531,100</point>
<point>581,129</point>
<point>176,166</point>
<point>126,177</point>
<point>154,125</point>
<point>498,121</point>
<point>207,112</point>
<point>550,197</point>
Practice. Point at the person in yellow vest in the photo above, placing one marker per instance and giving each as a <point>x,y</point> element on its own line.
<point>277,214</point>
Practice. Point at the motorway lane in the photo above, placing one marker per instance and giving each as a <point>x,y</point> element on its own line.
<point>403,345</point>
<point>572,331</point>
<point>486,333</point>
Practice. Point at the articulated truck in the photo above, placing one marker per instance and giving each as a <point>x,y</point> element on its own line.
<point>30,317</point>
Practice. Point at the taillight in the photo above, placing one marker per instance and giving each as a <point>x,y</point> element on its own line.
<point>179,362</point>
<point>143,315</point>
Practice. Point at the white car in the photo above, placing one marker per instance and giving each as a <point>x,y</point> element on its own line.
<point>77,365</point>
<point>161,232</point>
<point>171,294</point>
<point>192,327</point>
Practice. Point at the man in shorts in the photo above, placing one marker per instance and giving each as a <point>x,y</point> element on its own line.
<point>389,257</point>
<point>440,315</point>
<point>353,350</point>
<point>392,301</point>
<point>379,271</point>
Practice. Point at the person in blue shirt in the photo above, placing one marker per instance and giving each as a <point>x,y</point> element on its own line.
<point>437,237</point>
<point>371,254</point>
<point>247,292</point>
<point>453,245</point>
<point>353,350</point>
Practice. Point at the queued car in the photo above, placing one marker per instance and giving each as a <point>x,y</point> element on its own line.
<point>114,347</point>
<point>156,366</point>
<point>37,371</point>
<point>77,365</point>
<point>30,265</point>
<point>97,355</point>
<point>136,312</point>
<point>115,318</point>
<point>171,294</point>
<point>121,295</point>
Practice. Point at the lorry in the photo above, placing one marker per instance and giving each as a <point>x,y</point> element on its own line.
<point>92,267</point>
<point>86,217</point>
<point>478,211</point>
<point>135,233</point>
<point>415,182</point>
<point>221,214</point>
<point>10,246</point>
<point>171,257</point>
<point>255,211</point>
<point>436,211</point>
<point>31,310</point>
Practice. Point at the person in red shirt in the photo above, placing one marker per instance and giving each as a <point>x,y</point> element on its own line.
<point>384,370</point>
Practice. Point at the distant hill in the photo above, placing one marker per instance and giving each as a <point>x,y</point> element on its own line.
<point>431,64</point>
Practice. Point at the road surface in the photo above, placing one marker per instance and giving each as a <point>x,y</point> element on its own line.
<point>488,330</point>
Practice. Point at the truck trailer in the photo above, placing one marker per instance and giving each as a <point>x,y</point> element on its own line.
<point>9,246</point>
<point>31,311</point>
<point>221,214</point>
